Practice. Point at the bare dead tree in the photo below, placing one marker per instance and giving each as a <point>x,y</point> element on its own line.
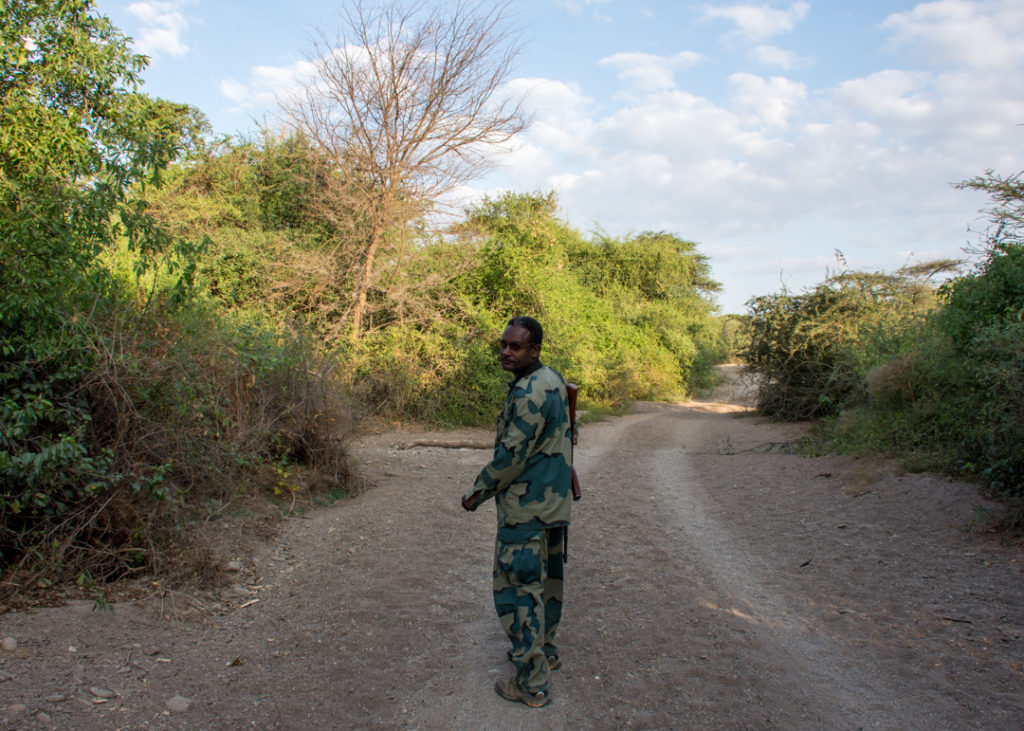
<point>409,100</point>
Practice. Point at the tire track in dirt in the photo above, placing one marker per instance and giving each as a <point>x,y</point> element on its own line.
<point>692,639</point>
<point>784,641</point>
<point>801,672</point>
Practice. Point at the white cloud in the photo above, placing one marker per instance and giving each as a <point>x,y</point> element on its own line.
<point>559,138</point>
<point>890,95</point>
<point>164,27</point>
<point>560,104</point>
<point>778,57</point>
<point>647,72</point>
<point>758,22</point>
<point>770,102</point>
<point>268,86</point>
<point>578,6</point>
<point>683,126</point>
<point>849,164</point>
<point>234,91</point>
<point>982,35</point>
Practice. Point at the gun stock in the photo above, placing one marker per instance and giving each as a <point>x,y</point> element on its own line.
<point>572,391</point>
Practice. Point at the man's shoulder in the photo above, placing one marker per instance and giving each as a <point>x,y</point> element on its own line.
<point>549,374</point>
<point>540,381</point>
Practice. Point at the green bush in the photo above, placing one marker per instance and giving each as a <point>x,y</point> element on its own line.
<point>812,352</point>
<point>995,451</point>
<point>734,334</point>
<point>77,137</point>
<point>431,376</point>
<point>951,397</point>
<point>991,295</point>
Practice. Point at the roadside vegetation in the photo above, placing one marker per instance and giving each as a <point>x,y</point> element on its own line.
<point>926,363</point>
<point>191,327</point>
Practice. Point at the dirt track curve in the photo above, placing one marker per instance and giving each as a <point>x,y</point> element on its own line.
<point>715,580</point>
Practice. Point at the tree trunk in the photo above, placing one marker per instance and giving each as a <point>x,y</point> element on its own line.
<point>365,278</point>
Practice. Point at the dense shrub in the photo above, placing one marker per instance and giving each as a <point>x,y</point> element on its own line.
<point>76,137</point>
<point>952,408</point>
<point>625,320</point>
<point>990,296</point>
<point>995,451</point>
<point>944,392</point>
<point>971,383</point>
<point>123,400</point>
<point>812,351</point>
<point>178,409</point>
<point>735,334</point>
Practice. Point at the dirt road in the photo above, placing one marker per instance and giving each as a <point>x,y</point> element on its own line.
<point>715,580</point>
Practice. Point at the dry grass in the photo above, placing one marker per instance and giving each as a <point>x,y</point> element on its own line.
<point>195,429</point>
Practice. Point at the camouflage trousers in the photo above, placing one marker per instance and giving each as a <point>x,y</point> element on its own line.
<point>528,571</point>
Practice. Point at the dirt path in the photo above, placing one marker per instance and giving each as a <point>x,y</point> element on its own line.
<point>715,581</point>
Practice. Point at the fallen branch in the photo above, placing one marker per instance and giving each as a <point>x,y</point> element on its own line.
<point>447,445</point>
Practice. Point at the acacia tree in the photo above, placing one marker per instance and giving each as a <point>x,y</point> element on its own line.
<point>409,102</point>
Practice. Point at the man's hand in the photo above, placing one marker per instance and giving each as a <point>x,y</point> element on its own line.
<point>468,504</point>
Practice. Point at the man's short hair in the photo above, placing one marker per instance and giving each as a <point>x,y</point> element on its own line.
<point>532,326</point>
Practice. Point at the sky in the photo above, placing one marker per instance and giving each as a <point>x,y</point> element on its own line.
<point>772,134</point>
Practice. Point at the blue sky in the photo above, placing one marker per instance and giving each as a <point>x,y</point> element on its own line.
<point>771,133</point>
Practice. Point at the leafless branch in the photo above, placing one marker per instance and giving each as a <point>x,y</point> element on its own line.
<point>409,101</point>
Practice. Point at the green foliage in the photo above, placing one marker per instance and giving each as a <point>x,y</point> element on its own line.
<point>994,450</point>
<point>518,234</point>
<point>176,312</point>
<point>627,319</point>
<point>270,184</point>
<point>941,407</point>
<point>663,287</point>
<point>989,297</point>
<point>946,392</point>
<point>179,407</point>
<point>430,375</point>
<point>272,243</point>
<point>735,334</point>
<point>965,404</point>
<point>432,355</point>
<point>118,403</point>
<point>658,266</point>
<point>76,136</point>
<point>813,351</point>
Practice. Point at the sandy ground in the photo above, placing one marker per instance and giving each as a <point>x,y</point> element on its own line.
<point>715,580</point>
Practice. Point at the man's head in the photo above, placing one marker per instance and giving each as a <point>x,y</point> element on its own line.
<point>520,343</point>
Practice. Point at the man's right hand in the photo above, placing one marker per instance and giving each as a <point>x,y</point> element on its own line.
<point>468,504</point>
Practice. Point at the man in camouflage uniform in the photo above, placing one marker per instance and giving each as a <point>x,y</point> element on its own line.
<point>529,478</point>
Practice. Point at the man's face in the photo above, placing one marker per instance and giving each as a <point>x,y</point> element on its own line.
<point>517,352</point>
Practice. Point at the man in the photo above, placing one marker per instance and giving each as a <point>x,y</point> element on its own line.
<point>530,481</point>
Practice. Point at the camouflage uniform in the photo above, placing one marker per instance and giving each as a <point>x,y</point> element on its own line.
<point>529,478</point>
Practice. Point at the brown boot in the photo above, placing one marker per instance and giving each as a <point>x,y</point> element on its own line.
<point>510,691</point>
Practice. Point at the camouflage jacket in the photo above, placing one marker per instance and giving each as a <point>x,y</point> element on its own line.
<point>529,476</point>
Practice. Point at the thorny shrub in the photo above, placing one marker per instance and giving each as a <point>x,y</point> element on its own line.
<point>177,411</point>
<point>813,351</point>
